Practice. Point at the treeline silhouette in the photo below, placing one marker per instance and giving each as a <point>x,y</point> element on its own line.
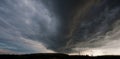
<point>54,56</point>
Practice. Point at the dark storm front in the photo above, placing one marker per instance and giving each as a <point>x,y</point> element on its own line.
<point>63,26</point>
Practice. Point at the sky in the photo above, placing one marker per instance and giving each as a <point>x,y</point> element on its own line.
<point>59,26</point>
